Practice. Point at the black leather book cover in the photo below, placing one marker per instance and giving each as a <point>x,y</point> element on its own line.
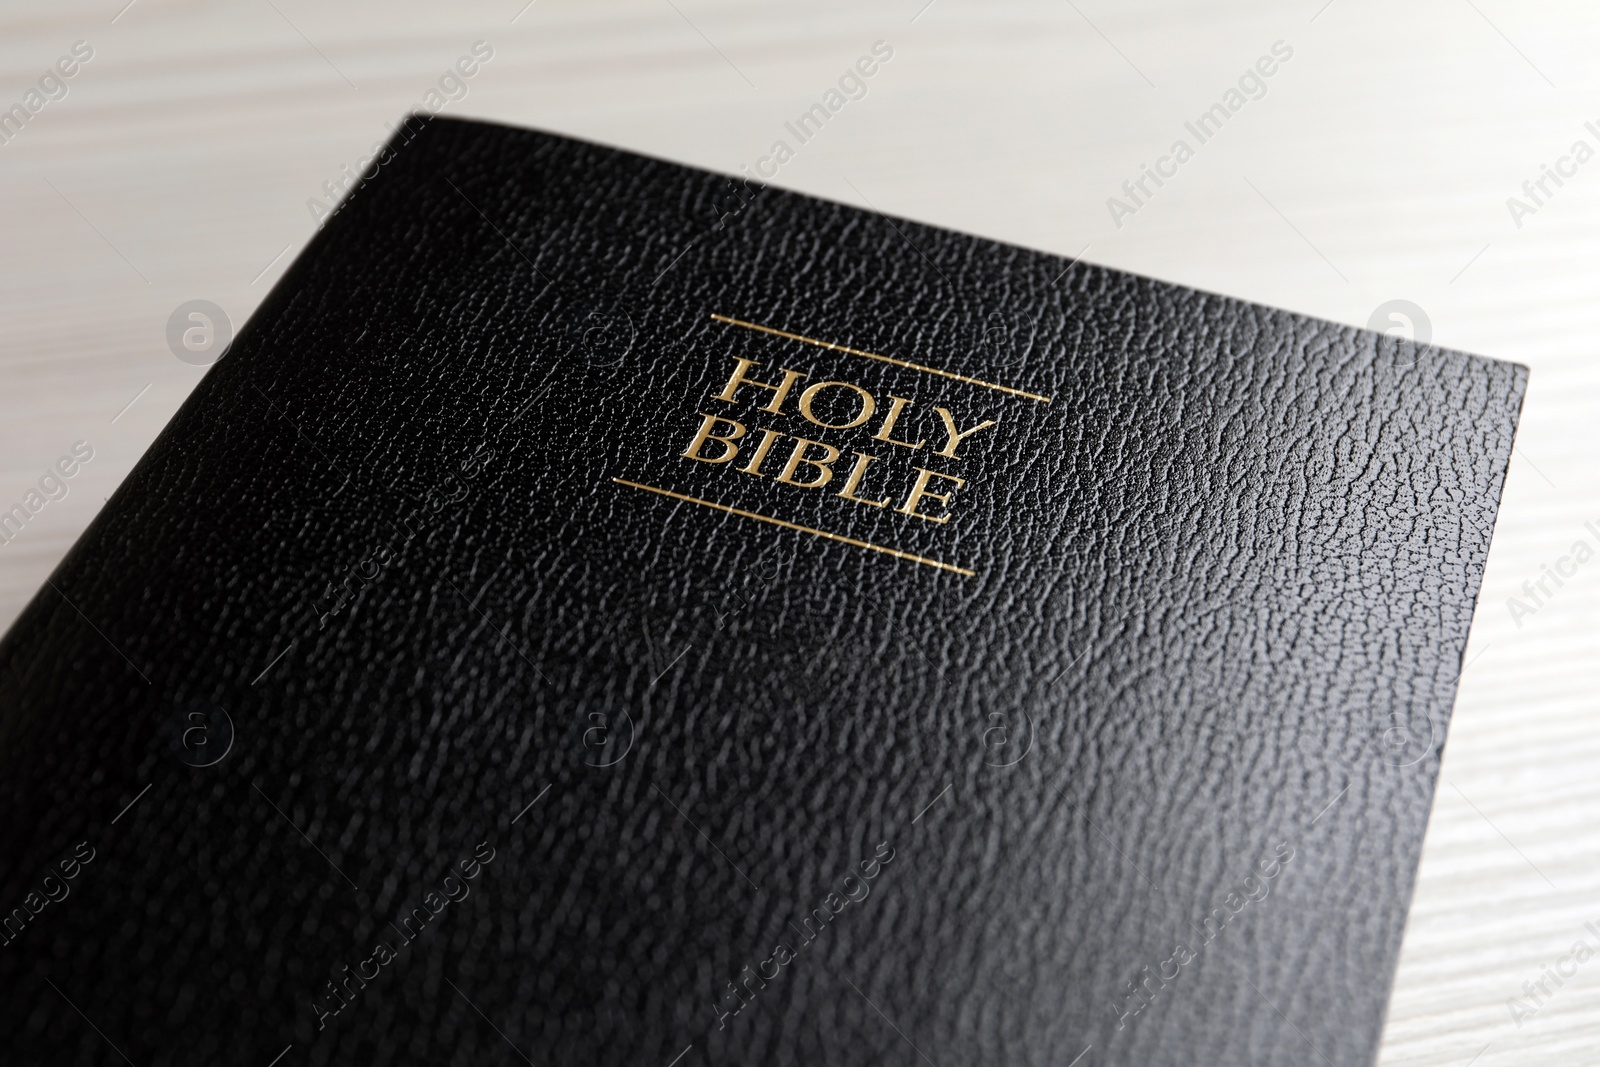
<point>599,612</point>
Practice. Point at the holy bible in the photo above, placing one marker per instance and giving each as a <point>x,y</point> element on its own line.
<point>604,612</point>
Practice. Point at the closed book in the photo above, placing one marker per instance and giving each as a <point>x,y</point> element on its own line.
<point>604,612</point>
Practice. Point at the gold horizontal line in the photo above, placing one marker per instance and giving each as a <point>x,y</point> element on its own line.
<point>895,552</point>
<point>882,359</point>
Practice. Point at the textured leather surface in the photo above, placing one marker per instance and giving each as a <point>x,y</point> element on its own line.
<point>1220,589</point>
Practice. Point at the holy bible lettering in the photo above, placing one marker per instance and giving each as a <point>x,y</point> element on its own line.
<point>807,463</point>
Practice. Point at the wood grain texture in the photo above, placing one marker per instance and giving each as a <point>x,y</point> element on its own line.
<point>1376,167</point>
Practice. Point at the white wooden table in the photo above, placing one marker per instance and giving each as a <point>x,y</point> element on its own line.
<point>1377,166</point>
